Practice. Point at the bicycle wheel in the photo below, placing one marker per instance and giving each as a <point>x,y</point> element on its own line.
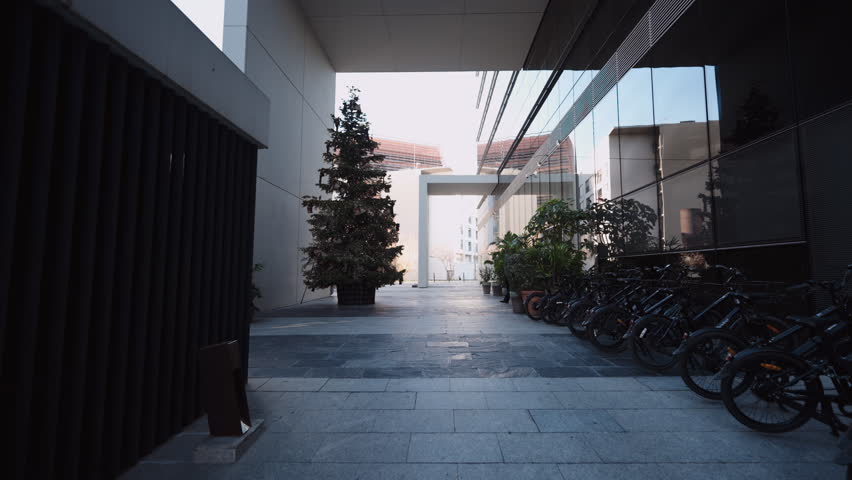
<point>704,356</point>
<point>575,315</point>
<point>533,305</point>
<point>776,399</point>
<point>607,327</point>
<point>655,339</point>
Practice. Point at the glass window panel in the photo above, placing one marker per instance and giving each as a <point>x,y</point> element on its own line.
<point>639,230</point>
<point>757,193</point>
<point>751,72</point>
<point>584,148</point>
<point>686,220</point>
<point>637,139</point>
<point>812,53</point>
<point>680,110</point>
<point>607,167</point>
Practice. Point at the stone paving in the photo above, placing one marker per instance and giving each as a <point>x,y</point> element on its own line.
<point>580,425</point>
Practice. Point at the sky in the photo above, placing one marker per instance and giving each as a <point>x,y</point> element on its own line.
<point>431,108</point>
<point>207,15</point>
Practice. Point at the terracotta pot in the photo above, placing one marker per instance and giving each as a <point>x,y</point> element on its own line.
<point>527,293</point>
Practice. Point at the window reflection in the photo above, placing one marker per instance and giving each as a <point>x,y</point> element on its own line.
<point>751,72</point>
<point>636,133</point>
<point>607,162</point>
<point>757,193</point>
<point>640,233</point>
<point>686,220</point>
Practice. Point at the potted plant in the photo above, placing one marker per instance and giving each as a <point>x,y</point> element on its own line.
<point>522,273</point>
<point>353,228</point>
<point>497,287</point>
<point>508,244</point>
<point>486,273</point>
<point>517,303</point>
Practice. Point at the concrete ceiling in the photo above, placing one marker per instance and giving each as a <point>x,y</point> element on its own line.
<point>425,35</point>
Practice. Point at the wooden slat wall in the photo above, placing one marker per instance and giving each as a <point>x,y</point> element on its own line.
<point>126,224</point>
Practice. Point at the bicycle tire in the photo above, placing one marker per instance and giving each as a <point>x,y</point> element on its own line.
<point>691,356</point>
<point>654,331</point>
<point>531,307</point>
<point>575,315</point>
<point>612,319</point>
<point>760,363</point>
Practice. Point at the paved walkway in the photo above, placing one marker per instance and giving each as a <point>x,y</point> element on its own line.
<point>577,424</point>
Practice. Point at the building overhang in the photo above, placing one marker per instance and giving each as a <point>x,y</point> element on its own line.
<point>424,36</point>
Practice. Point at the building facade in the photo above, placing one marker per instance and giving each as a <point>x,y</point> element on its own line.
<point>401,155</point>
<point>715,115</point>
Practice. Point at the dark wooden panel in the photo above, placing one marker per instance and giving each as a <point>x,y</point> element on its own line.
<point>170,282</point>
<point>152,370</point>
<point>196,279</point>
<point>228,197</point>
<point>33,197</point>
<point>100,352</point>
<point>216,313</point>
<point>186,259</point>
<point>56,281</point>
<point>117,380</point>
<point>83,261</point>
<point>134,252</point>
<point>139,320</point>
<point>18,36</point>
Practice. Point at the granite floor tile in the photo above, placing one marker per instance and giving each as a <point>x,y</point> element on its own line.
<point>485,421</point>
<point>420,421</point>
<point>380,400</point>
<point>283,447</point>
<point>454,448</point>
<point>575,421</point>
<point>355,385</point>
<point>546,384</point>
<point>338,421</point>
<point>546,448</point>
<point>521,400</point>
<point>293,385</point>
<point>504,471</point>
<point>481,385</point>
<point>451,400</point>
<point>363,448</point>
<point>419,385</point>
<point>311,400</point>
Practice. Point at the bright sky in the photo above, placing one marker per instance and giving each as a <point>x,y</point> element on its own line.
<point>430,108</point>
<point>207,15</point>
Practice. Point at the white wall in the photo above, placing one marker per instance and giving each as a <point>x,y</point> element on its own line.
<point>277,49</point>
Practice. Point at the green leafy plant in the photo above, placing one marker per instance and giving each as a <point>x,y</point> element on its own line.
<point>354,232</point>
<point>486,274</point>
<point>508,244</point>
<point>556,221</point>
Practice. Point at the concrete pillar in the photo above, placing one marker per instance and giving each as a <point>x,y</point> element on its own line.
<point>423,234</point>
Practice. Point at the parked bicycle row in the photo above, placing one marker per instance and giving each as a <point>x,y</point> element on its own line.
<point>772,372</point>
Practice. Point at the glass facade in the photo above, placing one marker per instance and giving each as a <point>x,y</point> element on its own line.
<point>706,128</point>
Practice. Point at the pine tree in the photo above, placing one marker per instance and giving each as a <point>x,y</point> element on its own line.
<point>354,232</point>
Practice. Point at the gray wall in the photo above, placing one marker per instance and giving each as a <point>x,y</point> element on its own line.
<point>277,49</point>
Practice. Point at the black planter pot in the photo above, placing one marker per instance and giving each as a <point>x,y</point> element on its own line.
<point>486,288</point>
<point>517,303</point>
<point>356,294</point>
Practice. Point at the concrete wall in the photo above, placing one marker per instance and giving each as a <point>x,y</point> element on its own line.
<point>159,35</point>
<point>277,49</point>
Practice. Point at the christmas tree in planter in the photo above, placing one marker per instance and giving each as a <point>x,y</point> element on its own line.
<point>354,231</point>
